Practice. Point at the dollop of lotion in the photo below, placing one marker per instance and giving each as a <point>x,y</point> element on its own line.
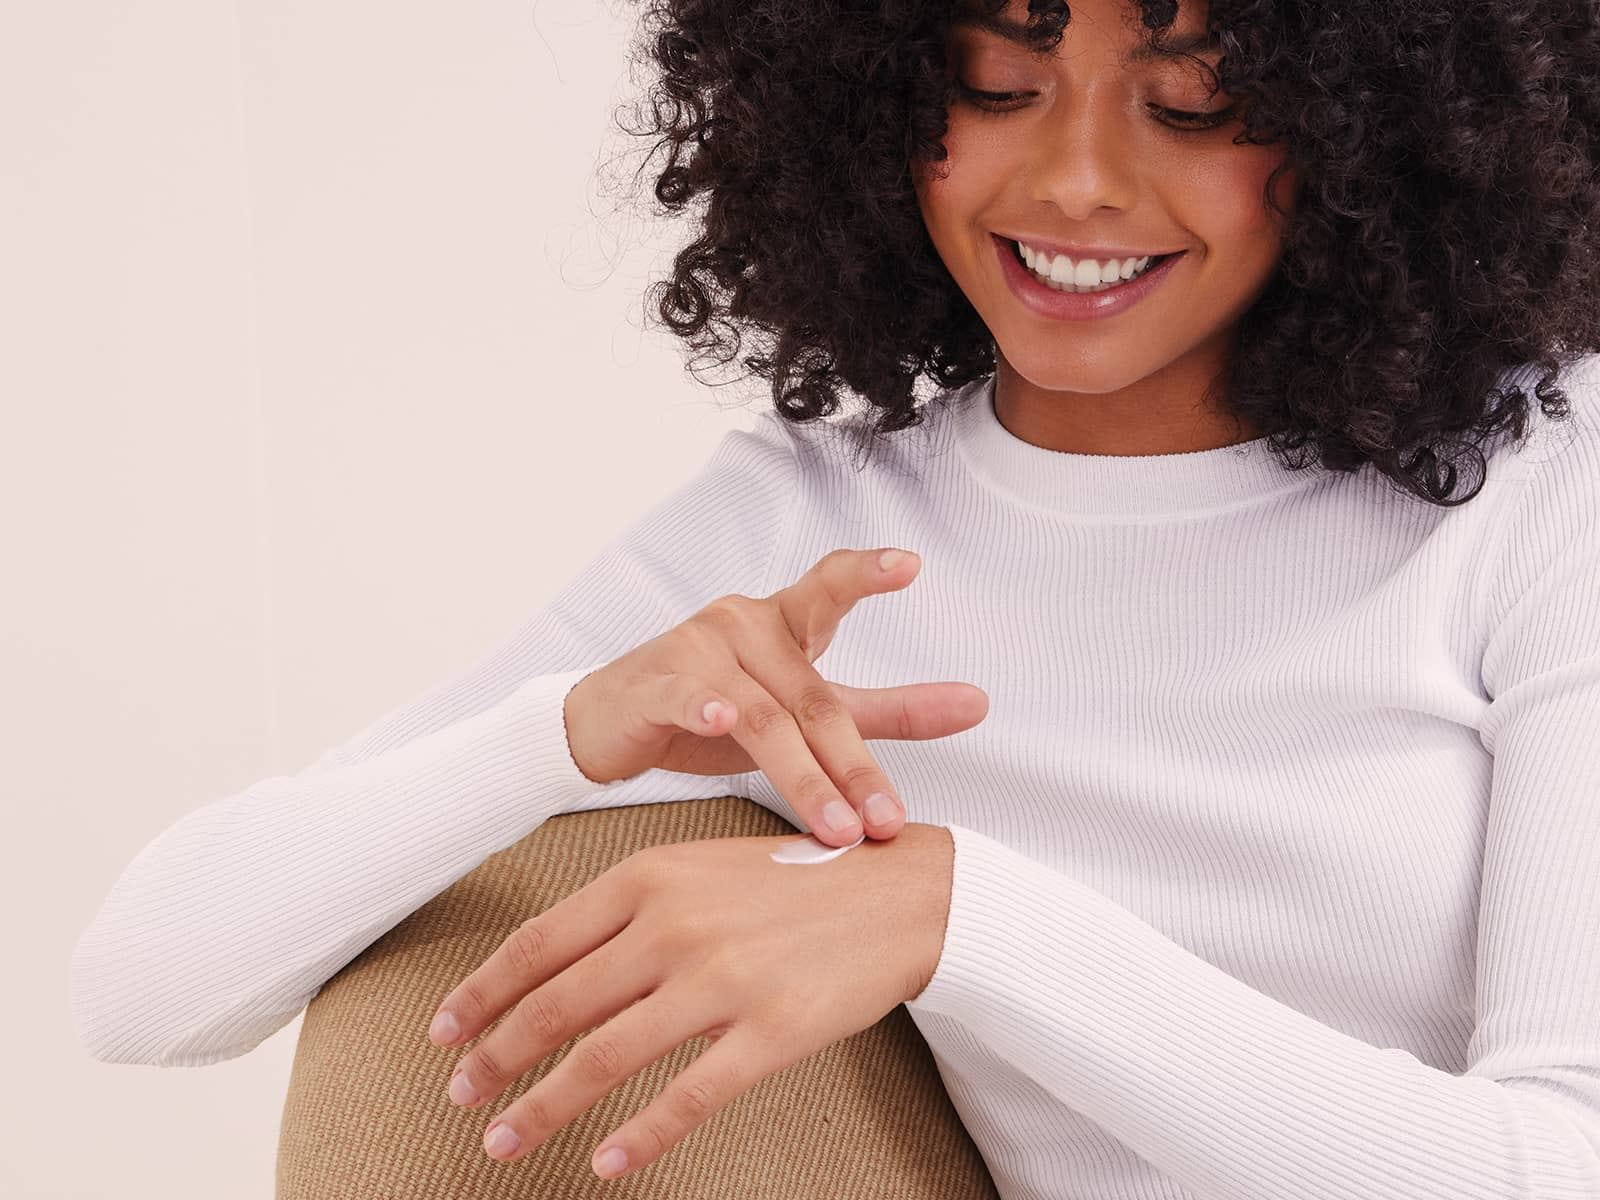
<point>810,850</point>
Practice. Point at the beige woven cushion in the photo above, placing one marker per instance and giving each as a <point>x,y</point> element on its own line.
<point>367,1116</point>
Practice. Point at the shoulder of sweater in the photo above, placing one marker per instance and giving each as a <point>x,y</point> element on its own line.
<point>1549,537</point>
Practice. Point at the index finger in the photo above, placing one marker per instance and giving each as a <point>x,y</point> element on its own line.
<point>813,605</point>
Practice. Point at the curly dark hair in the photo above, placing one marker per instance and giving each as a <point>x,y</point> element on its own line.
<point>1446,230</point>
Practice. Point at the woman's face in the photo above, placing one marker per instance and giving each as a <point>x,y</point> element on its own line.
<point>1086,158</point>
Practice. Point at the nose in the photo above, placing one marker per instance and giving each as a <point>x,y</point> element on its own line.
<point>1081,160</point>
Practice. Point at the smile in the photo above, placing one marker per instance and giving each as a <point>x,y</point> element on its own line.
<point>1049,299</point>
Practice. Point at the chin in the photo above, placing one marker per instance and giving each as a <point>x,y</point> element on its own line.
<point>1080,365</point>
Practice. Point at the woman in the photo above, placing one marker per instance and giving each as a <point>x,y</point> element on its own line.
<point>1250,850</point>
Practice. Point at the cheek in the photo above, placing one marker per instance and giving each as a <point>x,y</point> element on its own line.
<point>1230,211</point>
<point>974,164</point>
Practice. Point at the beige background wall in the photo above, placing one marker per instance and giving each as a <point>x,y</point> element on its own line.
<point>313,314</point>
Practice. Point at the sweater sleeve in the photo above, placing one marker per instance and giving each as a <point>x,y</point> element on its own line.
<point>1237,1096</point>
<point>225,925</point>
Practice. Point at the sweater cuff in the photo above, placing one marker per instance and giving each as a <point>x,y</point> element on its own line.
<point>984,928</point>
<point>538,706</point>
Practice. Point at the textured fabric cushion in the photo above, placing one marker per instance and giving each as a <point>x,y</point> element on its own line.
<point>366,1113</point>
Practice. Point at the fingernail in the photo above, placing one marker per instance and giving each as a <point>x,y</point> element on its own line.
<point>880,809</point>
<point>838,816</point>
<point>462,1091</point>
<point>502,1139</point>
<point>612,1162</point>
<point>888,558</point>
<point>444,1027</point>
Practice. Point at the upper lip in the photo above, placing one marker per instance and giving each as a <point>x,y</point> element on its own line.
<point>1075,253</point>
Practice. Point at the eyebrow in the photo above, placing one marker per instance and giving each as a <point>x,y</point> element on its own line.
<point>1016,31</point>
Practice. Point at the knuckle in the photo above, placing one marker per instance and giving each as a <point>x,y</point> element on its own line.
<point>527,948</point>
<point>902,720</point>
<point>865,777</point>
<point>601,1059</point>
<point>840,563</point>
<point>470,1002</point>
<point>813,791</point>
<point>542,1017</point>
<point>537,1114</point>
<point>657,1139</point>
<point>765,716</point>
<point>729,975</point>
<point>818,705</point>
<point>782,1014</point>
<point>694,1100</point>
<point>487,1068</point>
<point>839,598</point>
<point>686,932</point>
<point>650,868</point>
<point>725,611</point>
<point>708,634</point>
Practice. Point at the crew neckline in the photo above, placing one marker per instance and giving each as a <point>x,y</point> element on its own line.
<point>1112,485</point>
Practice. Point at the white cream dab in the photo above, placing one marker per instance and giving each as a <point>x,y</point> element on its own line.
<point>810,850</point>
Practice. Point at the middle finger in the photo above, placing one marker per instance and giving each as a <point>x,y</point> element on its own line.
<point>540,947</point>
<point>595,987</point>
<point>831,735</point>
<point>616,1052</point>
<point>771,734</point>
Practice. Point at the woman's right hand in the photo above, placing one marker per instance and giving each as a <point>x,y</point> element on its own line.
<point>751,660</point>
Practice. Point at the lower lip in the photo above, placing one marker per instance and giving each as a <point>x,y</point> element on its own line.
<point>1077,306</point>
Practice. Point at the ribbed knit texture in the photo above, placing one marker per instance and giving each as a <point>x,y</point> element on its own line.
<point>1277,857</point>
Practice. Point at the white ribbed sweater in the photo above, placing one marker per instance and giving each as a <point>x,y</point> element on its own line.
<point>1277,857</point>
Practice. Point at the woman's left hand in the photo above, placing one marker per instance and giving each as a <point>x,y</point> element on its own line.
<point>769,961</point>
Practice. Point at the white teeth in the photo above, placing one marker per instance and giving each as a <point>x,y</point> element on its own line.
<point>1086,276</point>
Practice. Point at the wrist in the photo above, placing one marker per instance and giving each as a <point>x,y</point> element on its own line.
<point>930,851</point>
<point>568,711</point>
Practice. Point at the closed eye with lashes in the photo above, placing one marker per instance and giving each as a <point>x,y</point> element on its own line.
<point>989,102</point>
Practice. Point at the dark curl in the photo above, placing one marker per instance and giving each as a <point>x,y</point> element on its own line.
<point>1445,232</point>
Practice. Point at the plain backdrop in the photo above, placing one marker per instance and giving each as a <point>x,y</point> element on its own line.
<point>323,361</point>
